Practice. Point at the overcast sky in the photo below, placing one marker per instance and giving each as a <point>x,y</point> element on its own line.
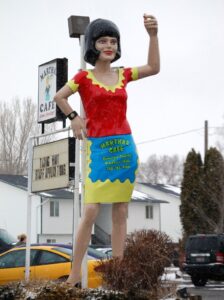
<point>188,90</point>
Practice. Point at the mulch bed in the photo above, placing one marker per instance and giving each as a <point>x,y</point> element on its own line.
<point>49,290</point>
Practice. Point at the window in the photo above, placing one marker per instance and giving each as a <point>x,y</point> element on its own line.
<point>149,212</point>
<point>51,241</point>
<point>16,259</point>
<point>54,208</point>
<point>50,258</point>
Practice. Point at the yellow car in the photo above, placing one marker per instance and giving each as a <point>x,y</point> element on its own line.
<point>46,262</point>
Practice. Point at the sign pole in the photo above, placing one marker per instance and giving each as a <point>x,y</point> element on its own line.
<point>29,209</point>
<point>31,191</point>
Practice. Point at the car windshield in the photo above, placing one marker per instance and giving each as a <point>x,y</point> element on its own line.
<point>202,243</point>
<point>6,237</point>
<point>95,253</point>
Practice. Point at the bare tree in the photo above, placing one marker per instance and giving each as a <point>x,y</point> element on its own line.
<point>17,122</point>
<point>150,170</point>
<point>171,169</point>
<point>220,142</point>
<point>219,133</point>
<point>162,169</point>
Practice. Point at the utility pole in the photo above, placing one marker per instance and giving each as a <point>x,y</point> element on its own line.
<point>206,137</point>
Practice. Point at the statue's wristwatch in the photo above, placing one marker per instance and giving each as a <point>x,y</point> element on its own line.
<point>72,115</point>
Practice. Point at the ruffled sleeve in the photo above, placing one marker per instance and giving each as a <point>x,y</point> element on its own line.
<point>75,82</point>
<point>131,74</point>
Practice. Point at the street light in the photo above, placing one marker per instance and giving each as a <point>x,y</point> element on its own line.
<point>77,26</point>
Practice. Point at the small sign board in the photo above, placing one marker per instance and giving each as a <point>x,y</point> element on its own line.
<point>52,76</point>
<point>53,165</point>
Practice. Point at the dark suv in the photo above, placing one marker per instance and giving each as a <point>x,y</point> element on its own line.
<point>204,258</point>
<point>6,240</point>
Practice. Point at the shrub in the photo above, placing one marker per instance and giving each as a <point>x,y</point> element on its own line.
<point>146,254</point>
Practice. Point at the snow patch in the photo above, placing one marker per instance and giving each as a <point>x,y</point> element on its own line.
<point>46,194</point>
<point>138,195</point>
<point>173,188</point>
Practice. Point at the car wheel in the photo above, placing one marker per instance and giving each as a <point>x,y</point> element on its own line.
<point>199,281</point>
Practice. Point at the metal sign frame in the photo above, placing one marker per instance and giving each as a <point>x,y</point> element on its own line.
<point>53,165</point>
<point>34,140</point>
<point>52,76</point>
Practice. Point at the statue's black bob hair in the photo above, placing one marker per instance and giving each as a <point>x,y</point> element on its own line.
<point>95,30</point>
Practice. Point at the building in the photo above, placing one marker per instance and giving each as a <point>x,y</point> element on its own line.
<point>13,205</point>
<point>52,212</point>
<point>170,214</point>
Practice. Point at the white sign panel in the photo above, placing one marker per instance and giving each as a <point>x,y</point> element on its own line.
<point>51,166</point>
<point>47,84</point>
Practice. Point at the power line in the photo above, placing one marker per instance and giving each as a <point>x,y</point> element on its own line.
<point>169,136</point>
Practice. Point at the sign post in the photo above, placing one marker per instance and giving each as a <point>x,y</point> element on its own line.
<point>29,210</point>
<point>47,164</point>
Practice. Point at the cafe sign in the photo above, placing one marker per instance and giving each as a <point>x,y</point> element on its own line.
<point>53,165</point>
<point>51,77</point>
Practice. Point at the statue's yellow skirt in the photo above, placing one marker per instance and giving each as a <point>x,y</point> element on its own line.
<point>111,163</point>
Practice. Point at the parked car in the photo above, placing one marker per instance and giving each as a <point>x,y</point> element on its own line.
<point>46,262</point>
<point>10,242</point>
<point>92,252</point>
<point>107,251</point>
<point>7,241</point>
<point>204,258</point>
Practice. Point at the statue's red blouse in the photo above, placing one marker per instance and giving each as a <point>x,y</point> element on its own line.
<point>105,106</point>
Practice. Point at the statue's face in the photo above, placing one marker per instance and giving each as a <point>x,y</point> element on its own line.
<point>107,46</point>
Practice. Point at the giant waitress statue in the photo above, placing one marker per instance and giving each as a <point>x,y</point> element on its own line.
<point>111,157</point>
